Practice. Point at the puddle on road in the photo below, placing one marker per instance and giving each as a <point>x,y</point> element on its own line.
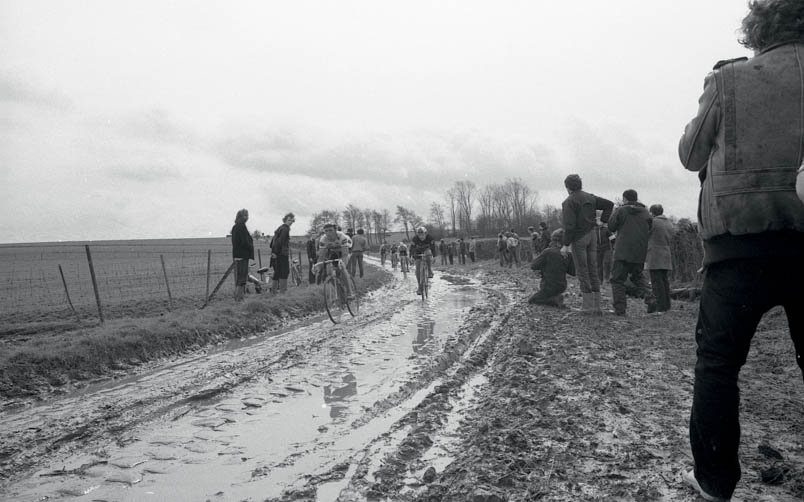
<point>269,434</point>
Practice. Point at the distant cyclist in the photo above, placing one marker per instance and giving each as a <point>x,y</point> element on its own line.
<point>422,244</point>
<point>383,253</point>
<point>333,245</point>
<point>394,255</point>
<point>402,250</point>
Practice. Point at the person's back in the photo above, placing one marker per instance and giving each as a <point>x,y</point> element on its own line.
<point>632,222</point>
<point>745,143</point>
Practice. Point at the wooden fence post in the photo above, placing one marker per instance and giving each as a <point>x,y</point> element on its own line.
<point>94,283</point>
<point>209,266</point>
<point>61,272</point>
<point>259,265</point>
<point>220,283</point>
<point>167,284</point>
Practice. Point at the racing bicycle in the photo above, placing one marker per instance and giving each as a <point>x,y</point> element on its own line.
<point>422,276</point>
<point>340,290</point>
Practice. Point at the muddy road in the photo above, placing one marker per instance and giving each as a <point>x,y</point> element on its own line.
<point>472,395</point>
<point>289,415</point>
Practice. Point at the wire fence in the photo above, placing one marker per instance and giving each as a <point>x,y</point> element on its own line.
<point>47,282</point>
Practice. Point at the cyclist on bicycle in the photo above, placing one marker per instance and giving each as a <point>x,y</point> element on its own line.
<point>383,253</point>
<point>394,255</point>
<point>403,256</point>
<point>422,244</point>
<point>333,245</point>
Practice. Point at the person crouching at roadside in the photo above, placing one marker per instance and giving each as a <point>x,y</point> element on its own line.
<point>554,267</point>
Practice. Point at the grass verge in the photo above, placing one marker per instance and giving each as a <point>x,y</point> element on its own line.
<point>38,363</point>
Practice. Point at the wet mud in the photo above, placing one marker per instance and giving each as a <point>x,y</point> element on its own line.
<point>470,395</point>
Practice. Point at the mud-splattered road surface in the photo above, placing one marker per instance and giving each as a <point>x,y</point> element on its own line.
<point>471,395</point>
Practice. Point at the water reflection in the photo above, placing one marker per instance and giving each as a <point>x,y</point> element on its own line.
<point>336,395</point>
<point>424,331</point>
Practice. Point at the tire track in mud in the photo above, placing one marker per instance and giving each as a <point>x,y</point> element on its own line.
<point>114,411</point>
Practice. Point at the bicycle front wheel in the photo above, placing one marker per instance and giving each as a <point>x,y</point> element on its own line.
<point>421,277</point>
<point>352,304</point>
<point>333,301</point>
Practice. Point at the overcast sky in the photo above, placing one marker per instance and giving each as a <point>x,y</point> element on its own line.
<point>159,119</point>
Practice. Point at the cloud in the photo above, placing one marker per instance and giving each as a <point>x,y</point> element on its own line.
<point>13,90</point>
<point>144,172</point>
<point>421,159</point>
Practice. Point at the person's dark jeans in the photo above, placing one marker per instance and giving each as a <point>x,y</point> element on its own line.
<point>310,274</point>
<point>584,254</point>
<point>660,284</point>
<point>462,258</point>
<point>450,259</point>
<point>604,264</point>
<point>734,297</point>
<point>472,256</point>
<point>355,263</point>
<point>622,271</point>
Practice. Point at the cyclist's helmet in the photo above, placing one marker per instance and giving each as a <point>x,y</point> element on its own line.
<point>421,230</point>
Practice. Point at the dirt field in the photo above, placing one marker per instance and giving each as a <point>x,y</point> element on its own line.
<point>564,408</point>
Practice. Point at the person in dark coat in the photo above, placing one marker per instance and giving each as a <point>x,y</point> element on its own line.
<point>442,251</point>
<point>312,256</point>
<point>632,222</point>
<point>461,252</point>
<point>579,216</point>
<point>451,249</point>
<point>745,143</point>
<point>554,267</point>
<point>659,261</point>
<point>242,252</point>
<point>280,251</point>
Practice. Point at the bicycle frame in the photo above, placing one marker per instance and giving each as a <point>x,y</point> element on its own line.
<point>422,275</point>
<point>338,285</point>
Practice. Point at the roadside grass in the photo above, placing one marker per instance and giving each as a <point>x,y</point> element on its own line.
<point>36,363</point>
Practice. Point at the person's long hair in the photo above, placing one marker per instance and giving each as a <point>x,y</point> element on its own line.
<point>770,22</point>
<point>241,216</point>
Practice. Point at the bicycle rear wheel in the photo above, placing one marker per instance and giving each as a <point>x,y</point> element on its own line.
<point>353,304</point>
<point>332,301</point>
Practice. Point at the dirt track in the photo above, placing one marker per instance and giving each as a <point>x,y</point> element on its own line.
<point>523,403</point>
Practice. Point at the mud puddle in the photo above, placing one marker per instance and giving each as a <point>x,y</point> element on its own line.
<point>258,419</point>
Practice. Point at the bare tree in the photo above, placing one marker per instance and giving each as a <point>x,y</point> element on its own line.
<point>379,229</point>
<point>367,223</point>
<point>408,218</point>
<point>502,207</point>
<point>351,216</point>
<point>522,201</point>
<point>386,221</point>
<point>464,193</point>
<point>486,218</point>
<point>320,219</point>
<point>452,201</point>
<point>437,216</point>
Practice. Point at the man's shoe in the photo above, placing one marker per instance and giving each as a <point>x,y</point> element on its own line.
<point>619,313</point>
<point>430,276</point>
<point>689,478</point>
<point>652,307</point>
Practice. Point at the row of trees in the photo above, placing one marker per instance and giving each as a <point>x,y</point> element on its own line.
<point>465,210</point>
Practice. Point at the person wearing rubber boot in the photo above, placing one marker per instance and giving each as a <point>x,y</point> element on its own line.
<point>242,252</point>
<point>579,217</point>
<point>554,268</point>
<point>632,222</point>
<point>745,143</point>
<point>280,251</point>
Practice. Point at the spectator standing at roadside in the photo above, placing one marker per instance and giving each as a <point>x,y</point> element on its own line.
<point>280,251</point>
<point>534,240</point>
<point>746,145</point>
<point>502,248</point>
<point>359,246</point>
<point>312,255</point>
<point>659,261</point>
<point>451,249</point>
<point>242,252</point>
<point>632,222</point>
<point>442,251</point>
<point>579,215</point>
<point>512,241</point>
<point>554,268</point>
<point>383,253</point>
<point>602,234</point>
<point>472,249</point>
<point>461,251</point>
